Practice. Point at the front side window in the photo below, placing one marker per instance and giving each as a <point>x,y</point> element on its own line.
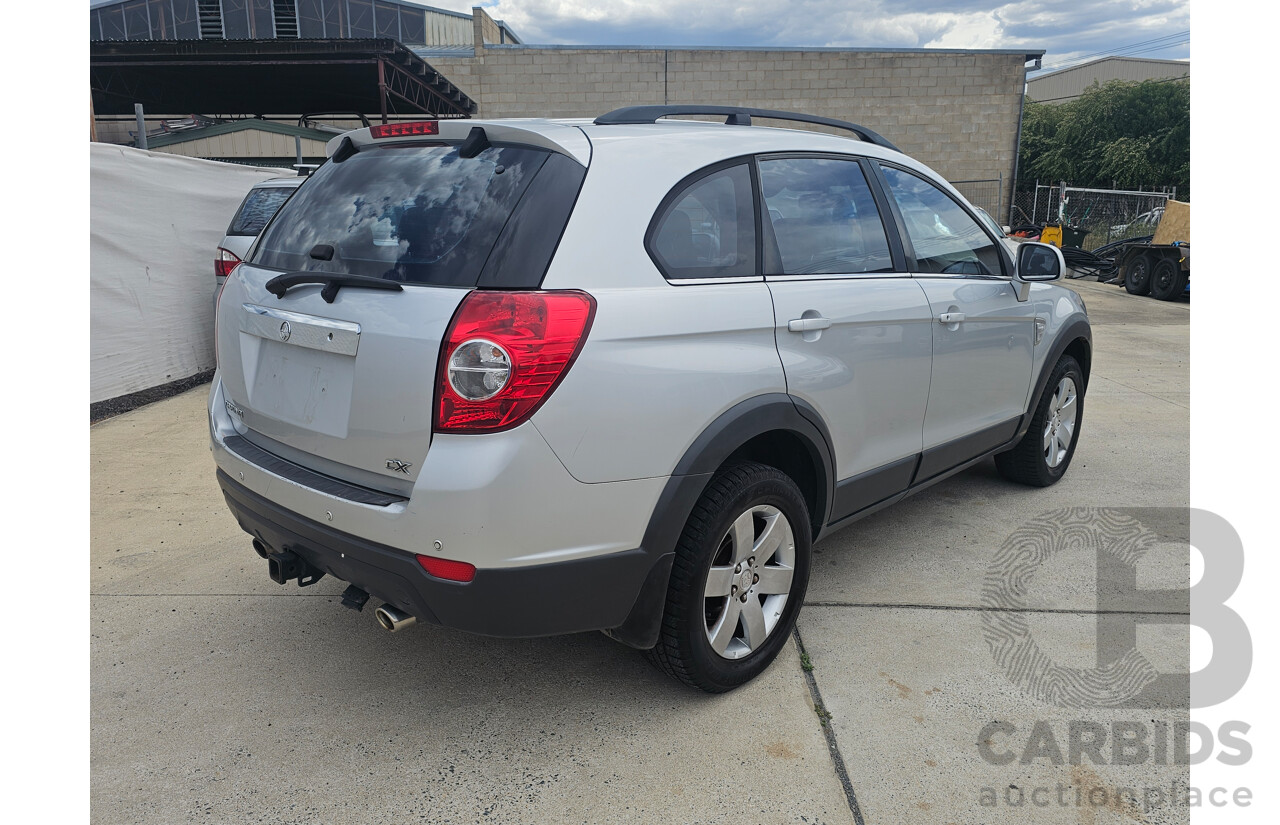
<point>709,229</point>
<point>824,217</point>
<point>946,240</point>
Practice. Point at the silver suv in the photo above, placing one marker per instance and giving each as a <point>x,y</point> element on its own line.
<point>533,377</point>
<point>259,205</point>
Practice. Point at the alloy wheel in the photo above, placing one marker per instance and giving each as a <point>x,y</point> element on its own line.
<point>1060,424</point>
<point>749,581</point>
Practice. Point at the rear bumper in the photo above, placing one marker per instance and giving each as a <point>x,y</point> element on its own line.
<point>501,500</point>
<point>594,593</point>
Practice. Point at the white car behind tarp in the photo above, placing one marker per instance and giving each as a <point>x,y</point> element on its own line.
<point>154,221</point>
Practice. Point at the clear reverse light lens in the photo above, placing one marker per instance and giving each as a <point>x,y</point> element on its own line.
<point>479,369</point>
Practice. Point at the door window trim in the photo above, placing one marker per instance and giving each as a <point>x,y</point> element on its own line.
<point>1006,273</point>
<point>772,259</point>
<point>678,191</point>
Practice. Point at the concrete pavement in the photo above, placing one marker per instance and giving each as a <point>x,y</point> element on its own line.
<point>220,696</point>
<point>894,619</point>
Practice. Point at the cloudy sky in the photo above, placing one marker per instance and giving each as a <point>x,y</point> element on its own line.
<point>1068,30</point>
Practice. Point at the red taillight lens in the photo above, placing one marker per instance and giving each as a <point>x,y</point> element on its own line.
<point>224,262</point>
<point>512,349</point>
<point>454,571</point>
<point>223,265</point>
<point>421,127</point>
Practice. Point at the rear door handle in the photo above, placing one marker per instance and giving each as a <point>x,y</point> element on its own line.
<point>808,324</point>
<point>951,317</point>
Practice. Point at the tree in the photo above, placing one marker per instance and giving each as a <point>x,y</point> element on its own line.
<point>1122,134</point>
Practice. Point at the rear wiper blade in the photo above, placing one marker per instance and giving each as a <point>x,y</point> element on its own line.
<point>332,281</point>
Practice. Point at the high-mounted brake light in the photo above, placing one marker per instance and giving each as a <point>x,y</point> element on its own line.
<point>420,127</point>
<point>504,354</point>
<point>454,571</point>
<point>224,261</point>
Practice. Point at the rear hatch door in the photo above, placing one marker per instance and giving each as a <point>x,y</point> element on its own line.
<point>345,387</point>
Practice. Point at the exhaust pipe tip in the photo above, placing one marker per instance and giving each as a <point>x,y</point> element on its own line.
<point>393,619</point>
<point>259,548</point>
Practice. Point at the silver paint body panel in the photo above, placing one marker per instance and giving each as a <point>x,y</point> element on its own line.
<point>662,361</point>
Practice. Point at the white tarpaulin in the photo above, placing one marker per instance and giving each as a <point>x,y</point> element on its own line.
<point>155,222</point>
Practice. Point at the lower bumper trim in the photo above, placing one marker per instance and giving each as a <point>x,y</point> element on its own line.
<point>538,600</point>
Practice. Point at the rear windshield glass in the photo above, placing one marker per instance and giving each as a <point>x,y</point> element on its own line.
<point>419,214</point>
<point>258,208</point>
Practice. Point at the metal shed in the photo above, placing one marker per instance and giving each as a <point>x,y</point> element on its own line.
<point>409,23</point>
<point>261,77</point>
<point>252,141</point>
<point>1068,84</point>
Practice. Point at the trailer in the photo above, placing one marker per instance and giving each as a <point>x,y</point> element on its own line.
<point>1161,270</point>
<point>1162,266</point>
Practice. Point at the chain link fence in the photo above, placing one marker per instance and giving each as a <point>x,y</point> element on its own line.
<point>987,194</point>
<point>1036,204</point>
<point>1105,215</point>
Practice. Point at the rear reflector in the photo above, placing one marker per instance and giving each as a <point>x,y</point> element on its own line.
<point>224,261</point>
<point>420,127</point>
<point>506,352</point>
<point>454,571</point>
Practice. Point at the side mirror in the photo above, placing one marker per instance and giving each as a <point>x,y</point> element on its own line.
<point>1039,262</point>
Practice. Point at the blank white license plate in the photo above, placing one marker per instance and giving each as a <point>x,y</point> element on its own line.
<point>304,387</point>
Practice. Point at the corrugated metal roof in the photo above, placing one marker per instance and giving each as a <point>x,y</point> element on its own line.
<point>253,77</point>
<point>154,141</point>
<point>428,52</point>
<point>1070,83</point>
<point>414,23</point>
<point>97,4</point>
<point>1029,54</point>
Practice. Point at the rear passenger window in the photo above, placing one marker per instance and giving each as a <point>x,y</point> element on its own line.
<point>824,217</point>
<point>708,230</point>
<point>259,207</point>
<point>946,239</point>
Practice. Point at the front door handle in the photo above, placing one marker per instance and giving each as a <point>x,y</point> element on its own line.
<point>808,324</point>
<point>951,317</point>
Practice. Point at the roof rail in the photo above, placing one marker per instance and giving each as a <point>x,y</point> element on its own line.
<point>735,116</point>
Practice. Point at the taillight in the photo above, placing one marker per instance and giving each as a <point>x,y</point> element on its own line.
<point>504,354</point>
<point>454,571</point>
<point>224,262</point>
<point>421,127</point>
<point>217,301</point>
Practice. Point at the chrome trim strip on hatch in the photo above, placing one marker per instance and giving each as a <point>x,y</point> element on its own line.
<point>310,331</point>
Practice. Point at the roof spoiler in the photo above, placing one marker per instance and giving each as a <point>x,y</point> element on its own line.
<point>734,116</point>
<point>474,136</point>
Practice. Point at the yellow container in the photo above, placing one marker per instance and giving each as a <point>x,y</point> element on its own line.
<point>1052,234</point>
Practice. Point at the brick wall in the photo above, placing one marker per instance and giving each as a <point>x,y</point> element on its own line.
<point>485,29</point>
<point>955,111</point>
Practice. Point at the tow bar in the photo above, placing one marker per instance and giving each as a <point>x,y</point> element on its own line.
<point>285,566</point>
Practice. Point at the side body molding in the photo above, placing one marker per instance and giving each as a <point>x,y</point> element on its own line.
<point>779,411</point>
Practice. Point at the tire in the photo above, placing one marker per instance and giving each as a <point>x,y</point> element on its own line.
<point>1042,456</point>
<point>705,641</point>
<point>1137,275</point>
<point>1167,280</point>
